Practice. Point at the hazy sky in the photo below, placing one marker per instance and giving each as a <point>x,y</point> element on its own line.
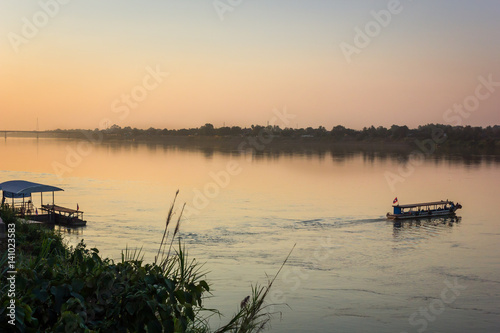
<point>178,63</point>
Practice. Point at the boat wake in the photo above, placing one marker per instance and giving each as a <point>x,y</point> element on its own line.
<point>330,222</point>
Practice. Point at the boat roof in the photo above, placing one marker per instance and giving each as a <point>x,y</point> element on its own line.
<point>20,187</point>
<point>432,203</point>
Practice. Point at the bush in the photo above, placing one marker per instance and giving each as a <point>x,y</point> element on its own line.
<point>62,289</point>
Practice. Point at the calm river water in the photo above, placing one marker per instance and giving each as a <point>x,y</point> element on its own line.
<point>351,269</point>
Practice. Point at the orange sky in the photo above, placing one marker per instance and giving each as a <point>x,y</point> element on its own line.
<point>85,64</point>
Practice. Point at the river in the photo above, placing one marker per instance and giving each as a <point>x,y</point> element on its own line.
<point>351,269</point>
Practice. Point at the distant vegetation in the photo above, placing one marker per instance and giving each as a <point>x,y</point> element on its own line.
<point>340,133</point>
<point>445,136</point>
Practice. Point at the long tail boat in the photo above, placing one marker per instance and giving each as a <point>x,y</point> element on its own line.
<point>424,210</point>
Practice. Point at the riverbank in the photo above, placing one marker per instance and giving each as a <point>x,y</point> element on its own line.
<point>48,286</point>
<point>277,145</point>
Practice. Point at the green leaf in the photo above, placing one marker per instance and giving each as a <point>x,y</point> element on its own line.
<point>169,284</point>
<point>150,279</point>
<point>77,285</point>
<point>20,313</point>
<point>190,312</point>
<point>59,293</point>
<point>188,297</point>
<point>41,295</point>
<point>205,285</point>
<point>152,304</point>
<point>179,294</point>
<point>130,307</point>
<point>169,325</point>
<point>154,326</point>
<point>78,296</point>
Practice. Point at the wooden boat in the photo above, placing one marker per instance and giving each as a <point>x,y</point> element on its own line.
<point>424,210</point>
<point>65,216</point>
<point>17,195</point>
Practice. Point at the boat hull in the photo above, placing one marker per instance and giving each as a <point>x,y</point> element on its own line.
<point>69,221</point>
<point>58,219</point>
<point>425,214</point>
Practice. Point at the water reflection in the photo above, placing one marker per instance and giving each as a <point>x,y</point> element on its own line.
<point>339,153</point>
<point>370,152</point>
<point>343,152</point>
<point>70,230</point>
<point>423,227</point>
<point>409,223</point>
<point>77,231</point>
<point>208,153</point>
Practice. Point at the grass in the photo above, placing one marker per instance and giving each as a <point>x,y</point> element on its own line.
<point>252,316</point>
<point>60,288</point>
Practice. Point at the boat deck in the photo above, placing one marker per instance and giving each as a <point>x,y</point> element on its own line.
<point>60,209</point>
<point>425,204</point>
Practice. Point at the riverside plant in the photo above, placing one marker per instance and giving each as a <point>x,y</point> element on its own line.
<point>65,289</point>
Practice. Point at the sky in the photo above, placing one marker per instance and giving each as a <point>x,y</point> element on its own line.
<point>179,64</point>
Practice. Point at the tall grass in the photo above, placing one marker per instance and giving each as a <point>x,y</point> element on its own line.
<point>252,316</point>
<point>74,289</point>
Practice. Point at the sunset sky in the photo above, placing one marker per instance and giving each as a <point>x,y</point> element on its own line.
<point>176,64</point>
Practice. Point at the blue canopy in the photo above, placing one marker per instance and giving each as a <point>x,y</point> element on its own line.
<point>22,188</point>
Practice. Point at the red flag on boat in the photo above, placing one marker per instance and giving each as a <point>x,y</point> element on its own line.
<point>395,200</point>
<point>77,207</point>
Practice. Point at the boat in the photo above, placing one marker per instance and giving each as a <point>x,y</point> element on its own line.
<point>65,216</point>
<point>424,210</point>
<point>18,196</point>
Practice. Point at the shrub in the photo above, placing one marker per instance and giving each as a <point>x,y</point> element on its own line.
<point>62,289</point>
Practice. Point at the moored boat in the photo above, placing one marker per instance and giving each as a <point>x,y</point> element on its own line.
<point>65,216</point>
<point>17,195</point>
<point>423,210</point>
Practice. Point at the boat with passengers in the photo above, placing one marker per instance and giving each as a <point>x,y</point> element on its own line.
<point>424,210</point>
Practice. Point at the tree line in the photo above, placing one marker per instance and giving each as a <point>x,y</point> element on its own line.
<point>486,135</point>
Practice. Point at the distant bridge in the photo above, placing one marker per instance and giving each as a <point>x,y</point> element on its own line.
<point>24,132</point>
<point>67,133</point>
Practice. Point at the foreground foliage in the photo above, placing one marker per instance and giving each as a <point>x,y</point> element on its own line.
<point>64,290</point>
<point>61,289</point>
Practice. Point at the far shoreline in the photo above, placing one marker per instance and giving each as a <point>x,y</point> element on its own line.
<point>261,145</point>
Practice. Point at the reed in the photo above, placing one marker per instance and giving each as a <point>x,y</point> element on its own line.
<point>167,222</point>
<point>75,290</point>
<point>252,316</point>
